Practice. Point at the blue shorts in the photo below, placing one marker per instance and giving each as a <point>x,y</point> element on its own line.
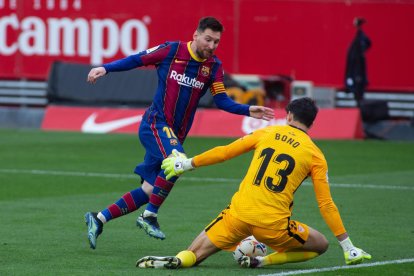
<point>158,140</point>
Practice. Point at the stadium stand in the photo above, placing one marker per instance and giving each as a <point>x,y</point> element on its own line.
<point>22,103</point>
<point>399,105</point>
<point>23,93</point>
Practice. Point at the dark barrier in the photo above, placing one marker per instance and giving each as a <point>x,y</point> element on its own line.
<point>26,117</point>
<point>374,110</point>
<point>67,85</point>
<point>390,130</point>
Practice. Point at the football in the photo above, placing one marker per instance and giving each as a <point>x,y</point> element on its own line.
<point>249,247</point>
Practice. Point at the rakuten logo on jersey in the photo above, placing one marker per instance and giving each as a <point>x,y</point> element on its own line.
<point>97,38</point>
<point>182,79</point>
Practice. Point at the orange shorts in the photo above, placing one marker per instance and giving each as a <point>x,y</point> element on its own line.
<point>226,231</point>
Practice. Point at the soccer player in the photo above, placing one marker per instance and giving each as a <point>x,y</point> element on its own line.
<point>186,71</point>
<point>284,156</point>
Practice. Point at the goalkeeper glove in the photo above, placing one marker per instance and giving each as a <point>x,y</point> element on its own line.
<point>176,164</point>
<point>353,255</point>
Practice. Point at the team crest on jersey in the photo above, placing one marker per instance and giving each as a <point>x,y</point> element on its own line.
<point>173,142</point>
<point>205,71</point>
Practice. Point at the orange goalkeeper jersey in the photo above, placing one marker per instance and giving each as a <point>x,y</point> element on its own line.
<point>284,156</point>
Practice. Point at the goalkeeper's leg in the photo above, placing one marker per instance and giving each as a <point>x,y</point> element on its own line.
<point>200,249</point>
<point>301,243</point>
<point>315,245</point>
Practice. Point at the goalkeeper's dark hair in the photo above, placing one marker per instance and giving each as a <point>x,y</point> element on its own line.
<point>209,22</point>
<point>304,110</point>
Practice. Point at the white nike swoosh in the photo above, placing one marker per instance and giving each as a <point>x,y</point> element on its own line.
<point>93,127</point>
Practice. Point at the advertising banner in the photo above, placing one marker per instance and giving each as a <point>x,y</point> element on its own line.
<point>307,40</point>
<point>329,124</point>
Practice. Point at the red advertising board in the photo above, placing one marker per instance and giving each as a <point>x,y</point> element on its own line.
<point>329,124</point>
<point>305,39</point>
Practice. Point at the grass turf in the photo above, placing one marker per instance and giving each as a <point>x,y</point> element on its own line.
<point>48,180</point>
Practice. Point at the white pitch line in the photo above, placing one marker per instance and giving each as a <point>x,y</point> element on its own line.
<point>334,268</point>
<point>370,186</point>
<point>67,173</point>
<point>187,178</point>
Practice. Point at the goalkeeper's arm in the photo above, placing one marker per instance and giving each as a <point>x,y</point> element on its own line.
<point>330,213</point>
<point>177,163</point>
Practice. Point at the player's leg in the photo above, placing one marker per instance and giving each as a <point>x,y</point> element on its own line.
<point>159,141</point>
<point>316,242</point>
<point>95,228</point>
<point>298,243</point>
<point>148,220</point>
<point>199,250</point>
<point>162,189</point>
<point>223,233</point>
<point>166,142</point>
<point>313,247</point>
<point>128,203</point>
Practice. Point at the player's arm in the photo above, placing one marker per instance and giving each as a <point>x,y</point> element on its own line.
<point>224,102</point>
<point>331,216</point>
<point>222,153</point>
<point>326,205</point>
<point>178,163</point>
<point>147,57</point>
<point>124,64</point>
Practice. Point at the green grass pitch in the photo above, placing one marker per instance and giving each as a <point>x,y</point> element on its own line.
<point>48,180</point>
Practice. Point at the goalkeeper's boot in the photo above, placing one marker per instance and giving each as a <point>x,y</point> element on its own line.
<point>356,256</point>
<point>159,262</point>
<point>250,262</point>
<point>95,227</point>
<point>151,226</point>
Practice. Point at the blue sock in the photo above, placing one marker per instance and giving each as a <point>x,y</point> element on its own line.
<point>128,203</point>
<point>162,188</point>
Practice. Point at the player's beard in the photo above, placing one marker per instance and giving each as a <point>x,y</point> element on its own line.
<point>204,54</point>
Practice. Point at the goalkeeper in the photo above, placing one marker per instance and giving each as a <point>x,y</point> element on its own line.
<point>283,157</point>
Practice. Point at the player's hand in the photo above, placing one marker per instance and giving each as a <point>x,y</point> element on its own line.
<point>261,112</point>
<point>176,164</point>
<point>356,255</point>
<point>95,74</point>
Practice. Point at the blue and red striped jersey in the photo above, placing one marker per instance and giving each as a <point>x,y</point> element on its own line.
<point>183,79</point>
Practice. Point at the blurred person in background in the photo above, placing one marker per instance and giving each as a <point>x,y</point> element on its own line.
<point>356,79</point>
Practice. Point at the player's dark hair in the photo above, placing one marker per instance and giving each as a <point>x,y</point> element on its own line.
<point>209,23</point>
<point>304,110</point>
